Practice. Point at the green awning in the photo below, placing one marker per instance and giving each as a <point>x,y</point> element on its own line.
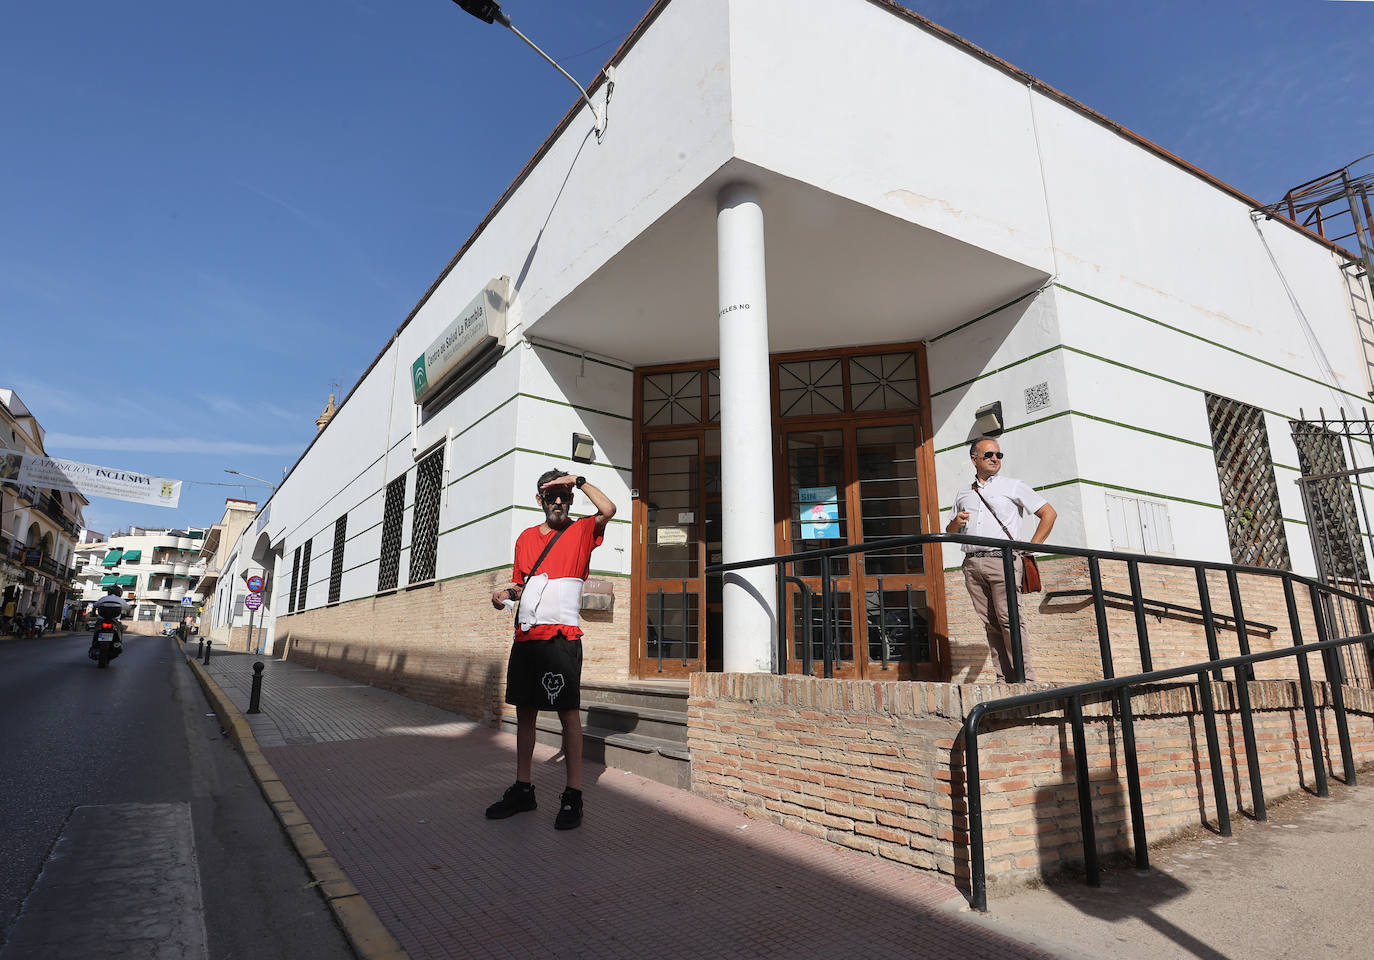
<point>108,580</point>
<point>131,555</point>
<point>127,580</point>
<point>112,558</point>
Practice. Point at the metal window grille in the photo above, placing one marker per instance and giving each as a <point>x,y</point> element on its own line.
<point>1330,501</point>
<point>424,534</point>
<point>389,570</point>
<point>337,558</point>
<point>305,575</point>
<point>295,579</point>
<point>672,398</point>
<point>1249,492</point>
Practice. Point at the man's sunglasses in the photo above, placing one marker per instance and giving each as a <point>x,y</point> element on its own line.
<point>559,495</point>
<point>993,454</point>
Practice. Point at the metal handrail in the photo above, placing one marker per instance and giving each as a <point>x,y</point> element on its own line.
<point>1165,607</point>
<point>1122,686</point>
<point>1009,549</point>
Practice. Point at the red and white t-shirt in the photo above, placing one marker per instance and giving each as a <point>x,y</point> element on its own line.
<point>552,606</point>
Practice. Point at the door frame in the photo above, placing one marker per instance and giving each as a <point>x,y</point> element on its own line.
<point>639,665</point>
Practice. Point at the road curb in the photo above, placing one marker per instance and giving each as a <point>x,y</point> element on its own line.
<point>365,931</point>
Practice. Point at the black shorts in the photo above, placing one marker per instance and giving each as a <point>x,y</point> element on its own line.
<point>545,674</point>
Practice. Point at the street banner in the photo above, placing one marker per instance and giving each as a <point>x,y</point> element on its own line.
<point>27,469</point>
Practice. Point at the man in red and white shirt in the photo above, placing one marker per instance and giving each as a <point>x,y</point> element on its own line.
<point>545,670</point>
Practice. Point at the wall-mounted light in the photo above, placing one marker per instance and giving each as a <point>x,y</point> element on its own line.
<point>583,450</point>
<point>987,421</point>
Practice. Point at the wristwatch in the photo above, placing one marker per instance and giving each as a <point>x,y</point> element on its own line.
<point>579,481</point>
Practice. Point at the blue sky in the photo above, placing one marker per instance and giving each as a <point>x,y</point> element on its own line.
<point>213,216</point>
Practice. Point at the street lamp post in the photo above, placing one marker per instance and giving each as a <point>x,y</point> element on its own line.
<point>489,11</point>
<point>249,476</point>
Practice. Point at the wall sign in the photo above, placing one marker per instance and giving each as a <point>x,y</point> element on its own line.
<point>477,326</point>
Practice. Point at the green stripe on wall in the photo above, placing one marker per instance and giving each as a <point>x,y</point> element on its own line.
<point>969,323</point>
<point>1213,343</point>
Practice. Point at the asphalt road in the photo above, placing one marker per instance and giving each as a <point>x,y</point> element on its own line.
<point>132,753</point>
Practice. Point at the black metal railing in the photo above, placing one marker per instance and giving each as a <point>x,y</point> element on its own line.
<point>1335,608</point>
<point>1122,688</point>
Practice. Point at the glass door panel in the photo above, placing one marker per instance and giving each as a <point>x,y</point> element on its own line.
<point>715,619</point>
<point>817,497</point>
<point>818,512</point>
<point>893,581</point>
<point>670,626</point>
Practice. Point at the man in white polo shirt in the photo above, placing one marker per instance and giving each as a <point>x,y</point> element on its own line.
<point>993,506</point>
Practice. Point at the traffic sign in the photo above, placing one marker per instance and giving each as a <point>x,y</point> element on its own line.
<point>255,585</point>
<point>253,601</point>
<point>188,601</point>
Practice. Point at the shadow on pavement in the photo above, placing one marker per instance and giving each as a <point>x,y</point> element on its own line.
<point>652,872</point>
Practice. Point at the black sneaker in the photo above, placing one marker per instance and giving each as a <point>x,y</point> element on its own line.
<point>518,798</point>
<point>569,810</point>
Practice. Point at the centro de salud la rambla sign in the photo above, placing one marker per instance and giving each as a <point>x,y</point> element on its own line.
<point>477,326</point>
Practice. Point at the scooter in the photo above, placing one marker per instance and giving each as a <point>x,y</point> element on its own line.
<point>107,643</point>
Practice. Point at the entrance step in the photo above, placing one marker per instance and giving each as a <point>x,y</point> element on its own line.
<point>639,726</point>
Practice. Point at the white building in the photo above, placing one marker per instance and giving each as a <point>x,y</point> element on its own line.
<point>814,241</point>
<point>38,527</point>
<point>226,618</point>
<point>157,569</point>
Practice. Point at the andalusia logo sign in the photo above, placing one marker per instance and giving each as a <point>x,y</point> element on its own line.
<point>418,376</point>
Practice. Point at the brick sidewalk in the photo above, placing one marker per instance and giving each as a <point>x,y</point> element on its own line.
<point>396,789</point>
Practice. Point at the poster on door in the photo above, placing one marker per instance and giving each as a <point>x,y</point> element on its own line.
<point>820,513</point>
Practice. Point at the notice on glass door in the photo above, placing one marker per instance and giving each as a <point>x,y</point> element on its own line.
<point>820,513</point>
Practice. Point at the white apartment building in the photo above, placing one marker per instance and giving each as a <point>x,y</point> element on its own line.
<point>158,570</point>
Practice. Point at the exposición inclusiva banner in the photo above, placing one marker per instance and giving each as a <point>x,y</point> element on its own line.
<point>27,469</point>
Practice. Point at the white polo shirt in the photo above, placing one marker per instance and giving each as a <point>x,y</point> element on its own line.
<point>1010,499</point>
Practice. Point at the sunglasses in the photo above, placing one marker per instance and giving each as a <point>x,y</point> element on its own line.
<point>559,495</point>
<point>992,454</point>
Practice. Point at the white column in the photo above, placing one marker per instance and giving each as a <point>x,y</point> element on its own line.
<point>746,432</point>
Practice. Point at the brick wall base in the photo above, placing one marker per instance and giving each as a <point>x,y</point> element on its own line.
<point>879,767</point>
<point>443,644</point>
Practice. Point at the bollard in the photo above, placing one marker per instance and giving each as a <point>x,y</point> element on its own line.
<point>256,696</point>
<point>208,645</point>
<point>200,648</point>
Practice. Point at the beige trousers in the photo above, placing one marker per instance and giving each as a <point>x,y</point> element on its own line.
<point>987,588</point>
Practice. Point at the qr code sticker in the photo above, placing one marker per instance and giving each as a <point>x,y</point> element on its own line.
<point>1037,397</point>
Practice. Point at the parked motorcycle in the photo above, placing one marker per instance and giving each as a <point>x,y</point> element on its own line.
<point>108,640</point>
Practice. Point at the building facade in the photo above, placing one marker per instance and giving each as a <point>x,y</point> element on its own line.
<point>225,618</point>
<point>38,527</point>
<point>157,569</point>
<point>819,247</point>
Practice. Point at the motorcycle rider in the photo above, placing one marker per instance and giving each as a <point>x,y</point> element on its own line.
<point>112,606</point>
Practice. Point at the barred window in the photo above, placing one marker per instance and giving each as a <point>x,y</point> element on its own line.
<point>424,533</point>
<point>295,579</point>
<point>1330,503</point>
<point>389,570</point>
<point>1249,492</point>
<point>337,558</point>
<point>305,574</point>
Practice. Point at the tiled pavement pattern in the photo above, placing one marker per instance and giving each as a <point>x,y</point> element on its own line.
<point>396,789</point>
